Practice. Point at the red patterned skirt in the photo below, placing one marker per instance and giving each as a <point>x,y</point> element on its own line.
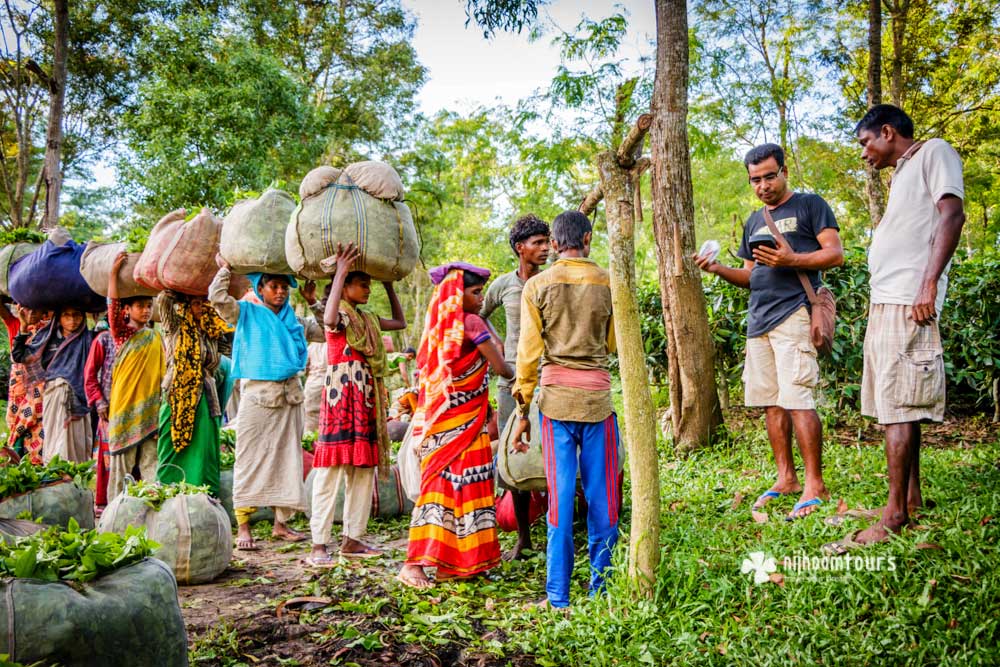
<point>347,420</point>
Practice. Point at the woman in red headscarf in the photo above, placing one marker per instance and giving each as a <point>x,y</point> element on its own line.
<point>453,527</point>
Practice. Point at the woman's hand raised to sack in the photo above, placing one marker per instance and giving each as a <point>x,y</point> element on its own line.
<point>221,261</point>
<point>308,291</point>
<point>119,262</point>
<point>341,262</point>
<point>24,317</point>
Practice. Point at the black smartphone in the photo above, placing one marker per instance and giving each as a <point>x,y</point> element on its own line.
<point>758,240</point>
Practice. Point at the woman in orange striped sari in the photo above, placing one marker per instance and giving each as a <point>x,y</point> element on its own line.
<point>453,527</point>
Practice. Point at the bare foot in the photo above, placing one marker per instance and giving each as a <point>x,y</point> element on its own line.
<point>244,538</point>
<point>351,548</point>
<point>517,553</point>
<point>414,577</point>
<point>283,532</point>
<point>880,530</point>
<point>320,558</point>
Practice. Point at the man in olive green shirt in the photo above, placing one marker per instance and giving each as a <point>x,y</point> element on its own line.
<point>566,320</point>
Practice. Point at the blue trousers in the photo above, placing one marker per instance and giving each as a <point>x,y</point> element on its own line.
<point>596,448</point>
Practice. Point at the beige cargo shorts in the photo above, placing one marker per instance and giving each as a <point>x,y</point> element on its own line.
<point>781,367</point>
<point>903,378</point>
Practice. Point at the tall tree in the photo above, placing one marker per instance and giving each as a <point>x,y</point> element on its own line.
<point>57,96</point>
<point>874,188</point>
<point>620,170</point>
<point>694,401</point>
<point>24,85</point>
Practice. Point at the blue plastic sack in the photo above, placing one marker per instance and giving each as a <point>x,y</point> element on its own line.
<point>50,278</point>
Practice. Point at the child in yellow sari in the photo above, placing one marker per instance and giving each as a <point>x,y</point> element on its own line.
<point>135,386</point>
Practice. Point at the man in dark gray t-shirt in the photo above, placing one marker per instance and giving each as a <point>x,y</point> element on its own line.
<point>781,371</point>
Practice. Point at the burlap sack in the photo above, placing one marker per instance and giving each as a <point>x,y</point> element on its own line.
<point>317,179</point>
<point>188,263</point>
<point>10,254</point>
<point>376,178</point>
<point>253,234</point>
<point>95,265</point>
<point>160,238</point>
<point>340,213</point>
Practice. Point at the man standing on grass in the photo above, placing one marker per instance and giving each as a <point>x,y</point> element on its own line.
<point>911,250</point>
<point>566,322</point>
<point>529,239</point>
<point>781,372</point>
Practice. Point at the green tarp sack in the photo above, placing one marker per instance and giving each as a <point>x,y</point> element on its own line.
<point>388,498</point>
<point>226,498</point>
<point>526,471</point>
<point>126,618</point>
<point>193,532</point>
<point>344,213</point>
<point>54,504</point>
<point>11,529</point>
<point>253,234</point>
<point>522,471</point>
<point>10,254</point>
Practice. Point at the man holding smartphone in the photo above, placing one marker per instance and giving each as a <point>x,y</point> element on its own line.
<point>781,371</point>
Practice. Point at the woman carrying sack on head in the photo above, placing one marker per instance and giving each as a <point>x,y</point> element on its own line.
<point>191,412</point>
<point>57,355</point>
<point>453,527</point>
<point>135,385</point>
<point>269,352</point>
<point>353,437</point>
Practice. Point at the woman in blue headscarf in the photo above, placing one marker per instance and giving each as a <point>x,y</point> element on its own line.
<point>269,351</point>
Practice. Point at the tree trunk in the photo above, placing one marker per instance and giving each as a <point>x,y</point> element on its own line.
<point>618,185</point>
<point>693,396</point>
<point>54,134</point>
<point>873,186</point>
<point>898,13</point>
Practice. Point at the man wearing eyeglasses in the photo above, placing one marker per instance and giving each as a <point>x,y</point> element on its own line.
<point>781,371</point>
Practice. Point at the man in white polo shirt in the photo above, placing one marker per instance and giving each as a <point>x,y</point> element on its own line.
<point>911,250</point>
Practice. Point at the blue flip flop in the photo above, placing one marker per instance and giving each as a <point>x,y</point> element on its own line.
<point>770,493</point>
<point>805,503</point>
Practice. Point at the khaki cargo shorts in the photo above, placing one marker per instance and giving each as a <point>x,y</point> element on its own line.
<point>903,379</point>
<point>781,367</point>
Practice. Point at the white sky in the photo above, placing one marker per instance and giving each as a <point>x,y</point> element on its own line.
<point>465,70</point>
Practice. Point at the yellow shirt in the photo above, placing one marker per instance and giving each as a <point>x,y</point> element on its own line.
<point>566,319</point>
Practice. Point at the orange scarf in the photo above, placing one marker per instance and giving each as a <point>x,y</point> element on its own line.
<point>440,348</point>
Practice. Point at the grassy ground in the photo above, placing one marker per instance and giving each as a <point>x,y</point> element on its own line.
<point>934,600</point>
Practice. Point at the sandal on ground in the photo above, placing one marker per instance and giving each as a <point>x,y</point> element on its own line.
<point>290,536</point>
<point>324,562</point>
<point>243,544</point>
<point>794,514</point>
<point>763,499</point>
<point>842,546</point>
<point>367,552</point>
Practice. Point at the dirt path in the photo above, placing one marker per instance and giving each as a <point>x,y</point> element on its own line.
<point>243,618</point>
